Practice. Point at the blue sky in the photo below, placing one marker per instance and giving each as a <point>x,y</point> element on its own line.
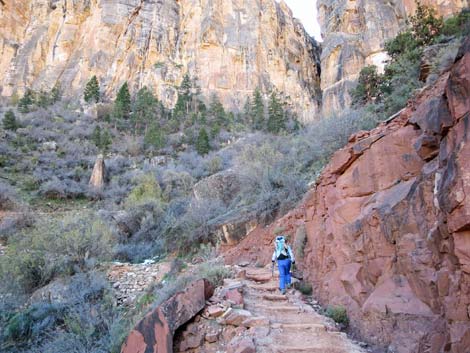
<point>306,11</point>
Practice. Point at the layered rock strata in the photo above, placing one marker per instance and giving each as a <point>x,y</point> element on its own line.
<point>232,47</point>
<point>354,35</point>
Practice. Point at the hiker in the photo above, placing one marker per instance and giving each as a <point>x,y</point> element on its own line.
<point>284,256</point>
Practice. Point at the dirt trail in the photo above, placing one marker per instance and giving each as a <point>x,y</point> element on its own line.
<point>294,326</point>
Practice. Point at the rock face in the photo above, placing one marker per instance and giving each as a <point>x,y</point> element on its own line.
<point>154,333</point>
<point>232,47</point>
<point>98,175</point>
<point>354,34</point>
<point>388,224</point>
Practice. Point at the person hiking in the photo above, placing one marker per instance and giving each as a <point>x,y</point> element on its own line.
<point>285,258</point>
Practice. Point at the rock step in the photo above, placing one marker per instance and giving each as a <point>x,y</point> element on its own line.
<point>300,327</point>
<point>259,277</point>
<point>275,297</point>
<point>278,308</point>
<point>309,349</point>
<point>263,287</point>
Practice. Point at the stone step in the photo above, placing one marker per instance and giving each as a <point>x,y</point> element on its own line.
<point>275,297</point>
<point>300,327</point>
<point>307,348</point>
<point>278,308</point>
<point>263,287</point>
<point>259,277</point>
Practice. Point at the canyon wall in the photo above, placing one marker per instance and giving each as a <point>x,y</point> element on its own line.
<point>355,32</point>
<point>231,46</point>
<point>387,226</point>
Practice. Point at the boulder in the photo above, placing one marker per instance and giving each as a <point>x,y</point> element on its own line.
<point>241,345</point>
<point>154,333</point>
<point>236,317</point>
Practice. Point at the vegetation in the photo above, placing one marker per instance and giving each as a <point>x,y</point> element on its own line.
<point>338,314</point>
<point>303,287</point>
<point>9,121</point>
<point>387,93</point>
<point>122,104</point>
<point>92,91</point>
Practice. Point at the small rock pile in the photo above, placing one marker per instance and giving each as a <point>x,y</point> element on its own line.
<point>130,280</point>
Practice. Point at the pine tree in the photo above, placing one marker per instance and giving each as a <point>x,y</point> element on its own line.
<point>92,91</point>
<point>122,104</point>
<point>217,112</point>
<point>96,136</point>
<point>9,121</point>
<point>276,116</point>
<point>154,136</point>
<point>247,112</point>
<point>202,143</point>
<point>106,141</point>
<point>144,109</point>
<point>258,110</point>
<point>25,102</point>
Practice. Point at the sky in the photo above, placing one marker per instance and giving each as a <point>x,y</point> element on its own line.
<point>306,12</point>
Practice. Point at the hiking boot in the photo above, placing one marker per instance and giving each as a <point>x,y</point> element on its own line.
<point>289,285</point>
<point>283,291</point>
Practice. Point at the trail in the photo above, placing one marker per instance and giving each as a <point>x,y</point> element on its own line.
<point>294,326</point>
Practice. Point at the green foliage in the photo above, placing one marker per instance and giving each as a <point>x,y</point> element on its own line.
<point>425,25</point>
<point>217,112</point>
<point>102,139</point>
<point>144,109</point>
<point>92,91</point>
<point>55,247</point>
<point>258,110</point>
<point>146,191</point>
<point>25,102</point>
<point>368,86</point>
<point>403,43</point>
<point>122,104</point>
<point>154,137</point>
<point>276,115</point>
<point>338,314</point>
<point>202,143</point>
<point>9,121</point>
<point>303,287</point>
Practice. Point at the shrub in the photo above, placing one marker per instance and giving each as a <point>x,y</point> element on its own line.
<point>36,256</point>
<point>303,287</point>
<point>338,314</point>
<point>425,25</point>
<point>458,25</point>
<point>147,190</point>
<point>202,143</point>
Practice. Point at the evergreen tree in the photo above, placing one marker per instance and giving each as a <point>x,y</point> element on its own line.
<point>106,141</point>
<point>43,99</point>
<point>217,112</point>
<point>101,139</point>
<point>96,136</point>
<point>247,112</point>
<point>144,109</point>
<point>185,98</point>
<point>25,102</point>
<point>122,104</point>
<point>258,110</point>
<point>202,143</point>
<point>154,136</point>
<point>276,118</point>
<point>92,91</point>
<point>9,121</point>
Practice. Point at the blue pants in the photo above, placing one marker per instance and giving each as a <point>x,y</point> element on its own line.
<point>284,273</point>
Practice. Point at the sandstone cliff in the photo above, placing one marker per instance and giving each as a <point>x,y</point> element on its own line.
<point>231,46</point>
<point>387,225</point>
<point>354,34</point>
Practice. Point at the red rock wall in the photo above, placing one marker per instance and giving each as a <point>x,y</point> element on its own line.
<point>388,225</point>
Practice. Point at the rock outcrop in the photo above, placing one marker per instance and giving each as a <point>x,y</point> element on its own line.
<point>154,333</point>
<point>388,224</point>
<point>232,47</point>
<point>98,175</point>
<point>354,35</point>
